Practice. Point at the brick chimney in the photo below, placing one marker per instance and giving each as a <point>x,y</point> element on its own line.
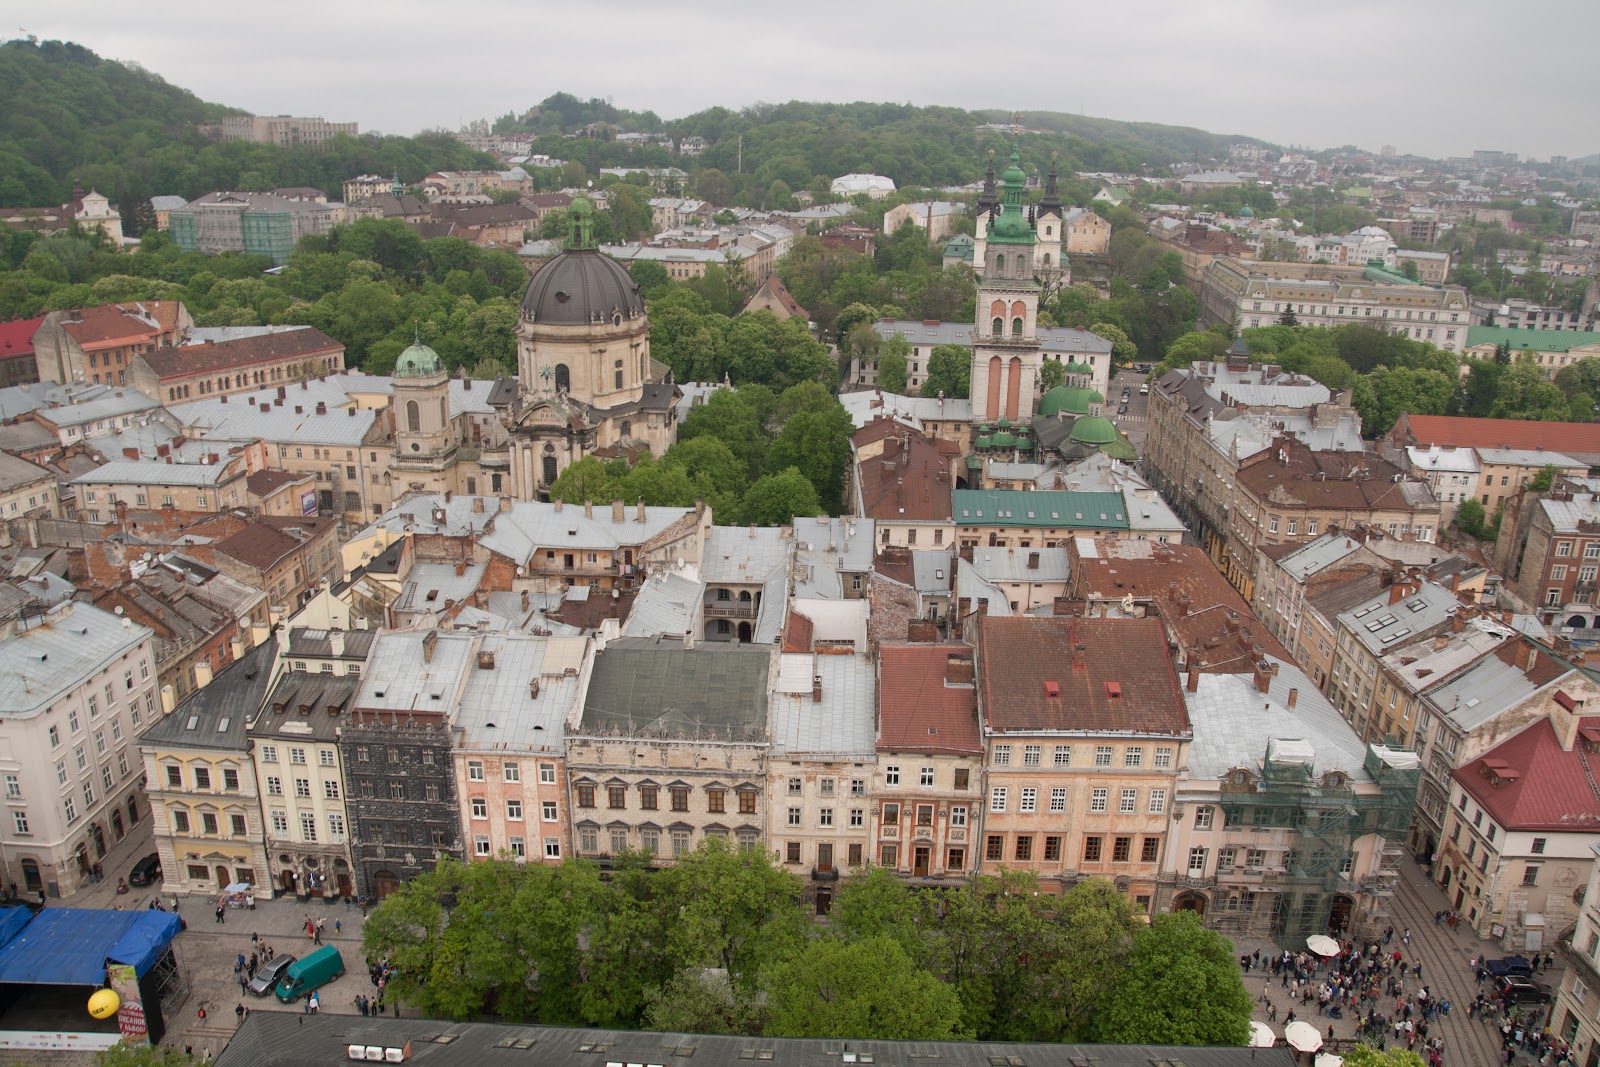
<point>617,511</point>
<point>1192,684</point>
<point>588,509</point>
<point>1526,655</point>
<point>1400,590</point>
<point>1183,605</point>
<point>816,689</point>
<point>430,641</point>
<point>1294,698</point>
<point>958,668</point>
<point>1264,673</point>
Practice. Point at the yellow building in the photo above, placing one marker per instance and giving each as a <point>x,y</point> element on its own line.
<point>202,785</point>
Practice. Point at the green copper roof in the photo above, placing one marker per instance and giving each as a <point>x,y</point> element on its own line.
<point>1536,340</point>
<point>1078,368</point>
<point>1093,430</point>
<point>1011,226</point>
<point>1057,508</point>
<point>580,219</point>
<point>1247,212</point>
<point>417,360</point>
<point>1065,398</point>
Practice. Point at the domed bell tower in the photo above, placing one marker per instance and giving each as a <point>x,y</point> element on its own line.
<point>1005,351</point>
<point>423,434</point>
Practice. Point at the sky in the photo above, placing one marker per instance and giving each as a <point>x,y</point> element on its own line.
<point>1428,79</point>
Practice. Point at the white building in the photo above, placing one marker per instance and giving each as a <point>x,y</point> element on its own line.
<point>875,186</point>
<point>78,683</point>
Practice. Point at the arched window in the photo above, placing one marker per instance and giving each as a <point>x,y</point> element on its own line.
<point>549,470</point>
<point>625,429</point>
<point>1016,327</point>
<point>563,380</point>
<point>413,416</point>
<point>1049,230</point>
<point>998,326</point>
<point>1047,260</point>
<point>999,264</point>
<point>617,375</point>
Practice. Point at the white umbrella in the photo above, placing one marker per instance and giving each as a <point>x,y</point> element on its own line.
<point>1302,1036</point>
<point>238,887</point>
<point>1328,1059</point>
<point>1261,1035</point>
<point>1322,945</point>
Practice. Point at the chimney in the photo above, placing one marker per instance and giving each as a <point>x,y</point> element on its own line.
<point>1526,655</point>
<point>1562,644</point>
<point>958,668</point>
<point>1263,675</point>
<point>1172,591</point>
<point>1458,622</point>
<point>429,641</point>
<point>477,505</point>
<point>640,515</point>
<point>617,509</point>
<point>266,407</point>
<point>1294,698</point>
<point>351,412</point>
<point>336,642</point>
<point>505,503</point>
<point>1192,684</point>
<point>486,660</point>
<point>1183,605</point>
<point>524,600</point>
<point>1399,591</point>
<point>322,407</point>
<point>816,689</point>
<point>1079,659</point>
<point>461,570</point>
<point>298,410</point>
<point>202,675</point>
<point>130,453</point>
<point>1033,561</point>
<point>447,495</point>
<point>557,503</point>
<point>588,509</point>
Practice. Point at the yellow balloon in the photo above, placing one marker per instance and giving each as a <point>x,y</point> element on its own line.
<point>104,1003</point>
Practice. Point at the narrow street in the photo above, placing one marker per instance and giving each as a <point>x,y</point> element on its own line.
<point>1446,970</point>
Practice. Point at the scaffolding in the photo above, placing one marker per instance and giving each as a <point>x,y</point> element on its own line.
<point>1325,815</point>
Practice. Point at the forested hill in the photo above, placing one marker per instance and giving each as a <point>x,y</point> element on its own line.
<point>67,113</point>
<point>798,142</point>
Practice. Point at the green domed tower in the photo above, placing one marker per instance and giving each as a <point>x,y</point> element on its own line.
<point>1005,353</point>
<point>424,444</point>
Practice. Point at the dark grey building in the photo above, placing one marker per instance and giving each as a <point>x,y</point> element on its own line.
<point>400,788</point>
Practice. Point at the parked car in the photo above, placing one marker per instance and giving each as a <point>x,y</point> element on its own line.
<point>146,871</point>
<point>307,975</point>
<point>1509,967</point>
<point>1123,410</point>
<point>1522,991</point>
<point>269,974</point>
<point>1144,389</point>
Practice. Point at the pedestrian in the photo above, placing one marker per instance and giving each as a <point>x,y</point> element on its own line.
<point>338,926</point>
<point>316,933</point>
<point>202,1014</point>
<point>363,907</point>
<point>239,1013</point>
<point>188,1050</point>
<point>220,909</point>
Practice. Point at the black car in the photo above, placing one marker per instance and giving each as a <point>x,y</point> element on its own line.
<point>1522,991</point>
<point>1509,967</point>
<point>146,871</point>
<point>268,973</point>
<point>1123,410</point>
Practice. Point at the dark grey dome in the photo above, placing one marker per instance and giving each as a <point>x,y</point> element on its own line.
<point>580,287</point>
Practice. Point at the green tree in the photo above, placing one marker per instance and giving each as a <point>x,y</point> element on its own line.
<point>865,989</point>
<point>120,1055</point>
<point>816,443</point>
<point>949,372</point>
<point>1287,318</point>
<point>730,416</point>
<point>711,463</point>
<point>731,908</point>
<point>874,902</point>
<point>1364,1055</point>
<point>1181,986</point>
<point>776,352</point>
<point>1051,374</point>
<point>1546,477</point>
<point>651,276</point>
<point>1192,347</point>
<point>1123,351</point>
<point>892,363</point>
<point>587,479</point>
<point>702,1002</point>
<point>775,499</point>
<point>1524,394</point>
<point>1470,518</point>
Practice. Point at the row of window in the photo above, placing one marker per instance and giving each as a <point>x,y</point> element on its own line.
<point>210,823</point>
<point>1104,756</point>
<point>1099,800</point>
<point>308,826</point>
<point>650,798</point>
<point>517,847</point>
<point>1094,848</point>
<point>479,807</point>
<point>511,771</point>
<point>620,839</point>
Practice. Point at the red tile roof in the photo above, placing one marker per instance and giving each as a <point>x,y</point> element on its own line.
<point>16,337</point>
<point>1343,481</point>
<point>120,322</point>
<point>269,538</point>
<point>1019,658</point>
<point>1456,431</point>
<point>918,710</point>
<point>1542,787</point>
<point>908,481</point>
<point>225,355</point>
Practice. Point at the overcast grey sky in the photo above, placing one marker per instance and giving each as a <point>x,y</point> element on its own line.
<point>1436,79</point>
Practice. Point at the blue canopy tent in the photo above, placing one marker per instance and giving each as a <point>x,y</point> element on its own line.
<point>12,920</point>
<point>71,946</point>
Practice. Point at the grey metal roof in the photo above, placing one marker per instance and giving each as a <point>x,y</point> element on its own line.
<point>1012,564</point>
<point>294,1039</point>
<point>219,715</point>
<point>655,687</point>
<point>668,603</point>
<point>841,724</point>
<point>740,555</point>
<point>1527,457</point>
<point>1484,691</point>
<point>240,418</point>
<point>430,585</point>
<point>401,676</point>
<point>1380,625</point>
<point>866,405</point>
<point>532,524</point>
<point>153,472</point>
<point>500,709</point>
<point>16,473</point>
<point>1565,515</point>
<point>124,402</point>
<point>58,652</point>
<point>1234,723</point>
<point>318,644</point>
<point>827,549</point>
<point>1311,558</point>
<point>933,572</point>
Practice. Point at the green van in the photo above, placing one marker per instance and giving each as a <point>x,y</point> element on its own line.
<point>310,973</point>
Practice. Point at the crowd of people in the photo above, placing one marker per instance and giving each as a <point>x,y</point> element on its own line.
<point>1384,992</point>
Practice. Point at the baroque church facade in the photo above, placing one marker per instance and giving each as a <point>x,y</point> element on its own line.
<point>585,385</point>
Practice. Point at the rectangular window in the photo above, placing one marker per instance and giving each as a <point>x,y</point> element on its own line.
<point>958,816</point>
<point>716,800</point>
<point>791,852</point>
<point>889,855</point>
<point>274,786</point>
<point>1030,755</point>
<point>1133,756</point>
<point>1028,802</point>
<point>585,796</point>
<point>963,777</point>
<point>336,826</point>
<point>1052,849</point>
<point>891,775</point>
<point>1158,801</point>
<point>747,802</point>
<point>955,861</point>
<point>994,848</point>
<point>1530,875</point>
<point>330,789</point>
<point>1002,755</point>
<point>1091,849</point>
<point>514,810</point>
<point>997,798</point>
<point>230,779</point>
<point>1150,850</point>
<point>1024,848</point>
<point>891,815</point>
<point>795,815</point>
<point>480,844</point>
<point>202,778</point>
<point>858,787</point>
<point>925,777</point>
<point>1197,862</point>
<point>858,817</point>
<point>616,796</point>
<point>1102,755</point>
<point>1202,818</point>
<point>302,787</point>
<point>237,825</point>
<point>325,757</point>
<point>1128,802</point>
<point>552,847</point>
<point>547,774</point>
<point>1537,848</point>
<point>1121,849</point>
<point>619,841</point>
<point>474,770</point>
<point>680,797</point>
<point>1058,799</point>
<point>297,755</point>
<point>825,817</point>
<point>308,826</point>
<point>180,819</point>
<point>1098,799</point>
<point>825,786</point>
<point>1063,756</point>
<point>280,822</point>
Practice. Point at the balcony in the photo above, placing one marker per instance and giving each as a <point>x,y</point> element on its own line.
<point>730,609</point>
<point>827,873</point>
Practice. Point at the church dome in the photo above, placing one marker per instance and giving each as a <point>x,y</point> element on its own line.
<point>1247,212</point>
<point>417,361</point>
<point>1065,398</point>
<point>1093,430</point>
<point>580,287</point>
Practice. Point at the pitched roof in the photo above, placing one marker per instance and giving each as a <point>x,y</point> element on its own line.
<point>908,481</point>
<point>922,705</point>
<point>1109,676</point>
<point>16,337</point>
<point>1537,340</point>
<point>224,355</point>
<point>269,538</point>
<point>113,322</point>
<point>1570,437</point>
<point>218,715</point>
<point>1343,481</point>
<point>657,687</point>
<point>1530,783</point>
<point>1057,508</point>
